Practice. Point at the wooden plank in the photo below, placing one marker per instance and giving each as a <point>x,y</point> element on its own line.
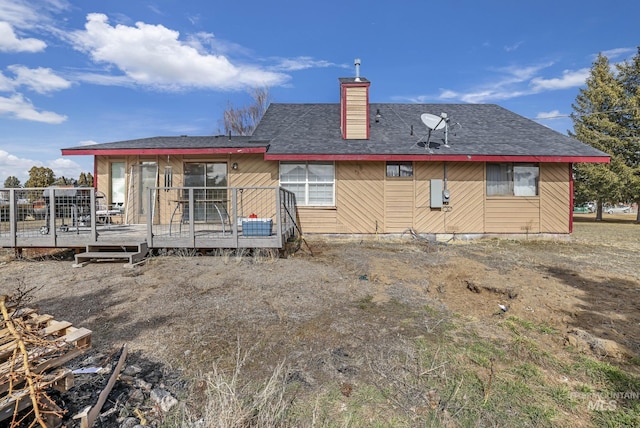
<point>80,337</point>
<point>55,327</point>
<point>61,379</point>
<point>89,415</point>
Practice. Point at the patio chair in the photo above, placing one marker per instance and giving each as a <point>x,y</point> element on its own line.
<point>105,213</point>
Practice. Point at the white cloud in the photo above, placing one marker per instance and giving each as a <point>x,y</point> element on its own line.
<point>12,165</point>
<point>63,167</point>
<point>41,80</point>
<point>9,42</point>
<point>550,115</point>
<point>569,79</point>
<point>153,55</point>
<point>301,63</point>
<point>511,82</point>
<point>88,143</point>
<point>18,107</point>
<point>513,47</point>
<point>618,52</point>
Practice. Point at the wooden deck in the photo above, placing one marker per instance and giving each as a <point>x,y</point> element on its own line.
<point>167,224</point>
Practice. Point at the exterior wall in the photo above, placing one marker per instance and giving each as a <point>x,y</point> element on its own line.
<point>555,202</point>
<point>510,214</point>
<point>356,113</point>
<point>360,197</point>
<point>465,182</point>
<point>368,202</point>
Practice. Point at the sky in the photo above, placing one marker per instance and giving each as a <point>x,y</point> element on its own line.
<point>81,72</point>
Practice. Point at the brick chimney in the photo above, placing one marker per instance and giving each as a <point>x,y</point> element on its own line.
<point>354,106</point>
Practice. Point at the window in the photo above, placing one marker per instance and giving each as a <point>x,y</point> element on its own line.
<point>210,193</point>
<point>117,184</point>
<point>512,179</point>
<point>399,169</point>
<point>312,182</point>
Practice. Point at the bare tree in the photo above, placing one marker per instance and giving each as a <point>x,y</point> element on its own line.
<point>243,120</point>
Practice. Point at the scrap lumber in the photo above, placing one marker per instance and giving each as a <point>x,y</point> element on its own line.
<point>89,415</point>
<point>33,348</point>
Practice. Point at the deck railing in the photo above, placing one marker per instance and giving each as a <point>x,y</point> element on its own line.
<point>165,217</point>
<point>230,217</point>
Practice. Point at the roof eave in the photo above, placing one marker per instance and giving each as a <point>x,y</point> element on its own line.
<point>163,151</point>
<point>434,157</point>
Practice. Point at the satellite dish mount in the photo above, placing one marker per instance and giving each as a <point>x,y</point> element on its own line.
<point>434,123</point>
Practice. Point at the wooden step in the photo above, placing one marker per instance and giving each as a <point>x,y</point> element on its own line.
<point>132,253</point>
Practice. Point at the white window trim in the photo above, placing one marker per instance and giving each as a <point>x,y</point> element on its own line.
<point>305,203</point>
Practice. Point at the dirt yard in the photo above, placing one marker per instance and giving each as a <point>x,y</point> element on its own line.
<point>339,318</point>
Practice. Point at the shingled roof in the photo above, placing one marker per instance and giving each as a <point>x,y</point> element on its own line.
<point>477,132</point>
<point>312,131</point>
<point>174,145</point>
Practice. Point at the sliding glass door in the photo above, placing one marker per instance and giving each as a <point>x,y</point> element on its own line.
<point>210,195</point>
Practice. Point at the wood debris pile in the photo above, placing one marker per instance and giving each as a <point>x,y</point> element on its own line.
<point>33,348</point>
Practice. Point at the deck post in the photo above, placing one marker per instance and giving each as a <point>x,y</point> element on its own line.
<point>279,216</point>
<point>150,213</point>
<point>192,210</point>
<point>52,216</point>
<point>94,218</point>
<point>13,218</point>
<point>234,215</point>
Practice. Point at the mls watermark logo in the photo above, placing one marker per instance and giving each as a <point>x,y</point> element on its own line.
<point>604,402</point>
<point>601,405</point>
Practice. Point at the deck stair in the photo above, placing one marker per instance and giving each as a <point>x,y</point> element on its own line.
<point>132,253</point>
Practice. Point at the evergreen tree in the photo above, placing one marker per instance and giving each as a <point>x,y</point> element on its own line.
<point>82,180</point>
<point>629,76</point>
<point>598,110</point>
<point>40,176</point>
<point>12,182</point>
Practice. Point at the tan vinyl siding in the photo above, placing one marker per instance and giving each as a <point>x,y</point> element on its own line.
<point>427,220</point>
<point>369,202</point>
<point>398,204</point>
<point>359,196</point>
<point>466,185</point>
<point>103,171</point>
<point>356,113</point>
<point>317,220</point>
<point>253,170</point>
<point>555,197</point>
<point>512,214</point>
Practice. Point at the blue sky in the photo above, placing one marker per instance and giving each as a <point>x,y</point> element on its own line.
<point>87,71</point>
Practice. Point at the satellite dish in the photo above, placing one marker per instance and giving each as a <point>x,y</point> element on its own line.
<point>433,122</point>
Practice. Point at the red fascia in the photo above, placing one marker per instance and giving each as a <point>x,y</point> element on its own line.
<point>134,152</point>
<point>441,158</point>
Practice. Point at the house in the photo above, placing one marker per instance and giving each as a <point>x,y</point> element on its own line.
<point>374,168</point>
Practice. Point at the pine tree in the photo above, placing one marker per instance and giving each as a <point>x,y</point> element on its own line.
<point>12,182</point>
<point>629,76</point>
<point>597,121</point>
<point>40,176</point>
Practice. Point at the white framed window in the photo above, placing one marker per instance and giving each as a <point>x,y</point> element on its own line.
<point>512,179</point>
<point>118,187</point>
<point>399,169</point>
<point>312,182</point>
